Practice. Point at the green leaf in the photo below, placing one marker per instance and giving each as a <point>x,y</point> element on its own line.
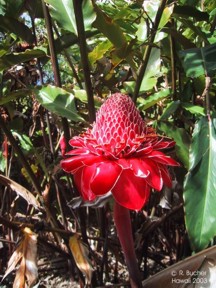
<point>98,52</point>
<point>182,139</point>
<point>25,141</point>
<point>153,99</point>
<point>170,109</point>
<point>129,86</point>
<point>59,101</point>
<point>142,30</point>
<point>2,162</point>
<point>194,109</point>
<point>167,12</point>
<point>200,185</point>
<point>151,8</point>
<point>63,12</point>
<point>199,61</point>
<point>152,70</point>
<point>12,25</point>
<point>82,96</point>
<point>109,28</point>
<point>9,60</point>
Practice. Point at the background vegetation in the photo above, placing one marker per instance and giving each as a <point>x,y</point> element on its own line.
<point>59,60</point>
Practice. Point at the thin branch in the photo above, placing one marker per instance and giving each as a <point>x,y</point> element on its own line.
<point>148,49</point>
<point>84,57</point>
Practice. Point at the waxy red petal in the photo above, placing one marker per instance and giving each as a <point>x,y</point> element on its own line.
<point>161,144</point>
<point>160,157</point>
<point>123,163</point>
<point>82,179</point>
<point>83,183</point>
<point>76,142</point>
<point>130,191</point>
<point>105,176</point>
<point>78,151</point>
<point>166,176</point>
<point>72,164</point>
<point>139,168</point>
<point>154,178</point>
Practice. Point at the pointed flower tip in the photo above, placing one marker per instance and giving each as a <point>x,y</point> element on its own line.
<point>119,154</point>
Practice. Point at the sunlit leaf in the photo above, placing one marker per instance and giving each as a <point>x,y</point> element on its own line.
<point>142,30</point>
<point>82,96</point>
<point>167,12</point>
<point>59,101</point>
<point>21,191</point>
<point>150,8</point>
<point>25,141</point>
<point>63,12</point>
<point>194,109</point>
<point>98,52</point>
<point>2,162</point>
<point>80,253</point>
<point>152,70</point>
<point>200,185</point>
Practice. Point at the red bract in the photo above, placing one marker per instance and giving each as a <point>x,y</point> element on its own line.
<point>119,154</point>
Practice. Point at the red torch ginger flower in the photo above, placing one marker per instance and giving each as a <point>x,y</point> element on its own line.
<point>119,154</point>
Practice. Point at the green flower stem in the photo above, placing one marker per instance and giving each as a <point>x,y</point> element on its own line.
<point>124,230</point>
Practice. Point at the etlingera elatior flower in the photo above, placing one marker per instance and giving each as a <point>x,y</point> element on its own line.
<point>119,154</point>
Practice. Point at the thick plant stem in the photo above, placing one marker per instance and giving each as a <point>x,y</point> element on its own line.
<point>124,230</point>
<point>84,57</point>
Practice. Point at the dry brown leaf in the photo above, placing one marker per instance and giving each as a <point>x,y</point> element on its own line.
<point>80,254</point>
<point>26,256</point>
<point>21,191</point>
